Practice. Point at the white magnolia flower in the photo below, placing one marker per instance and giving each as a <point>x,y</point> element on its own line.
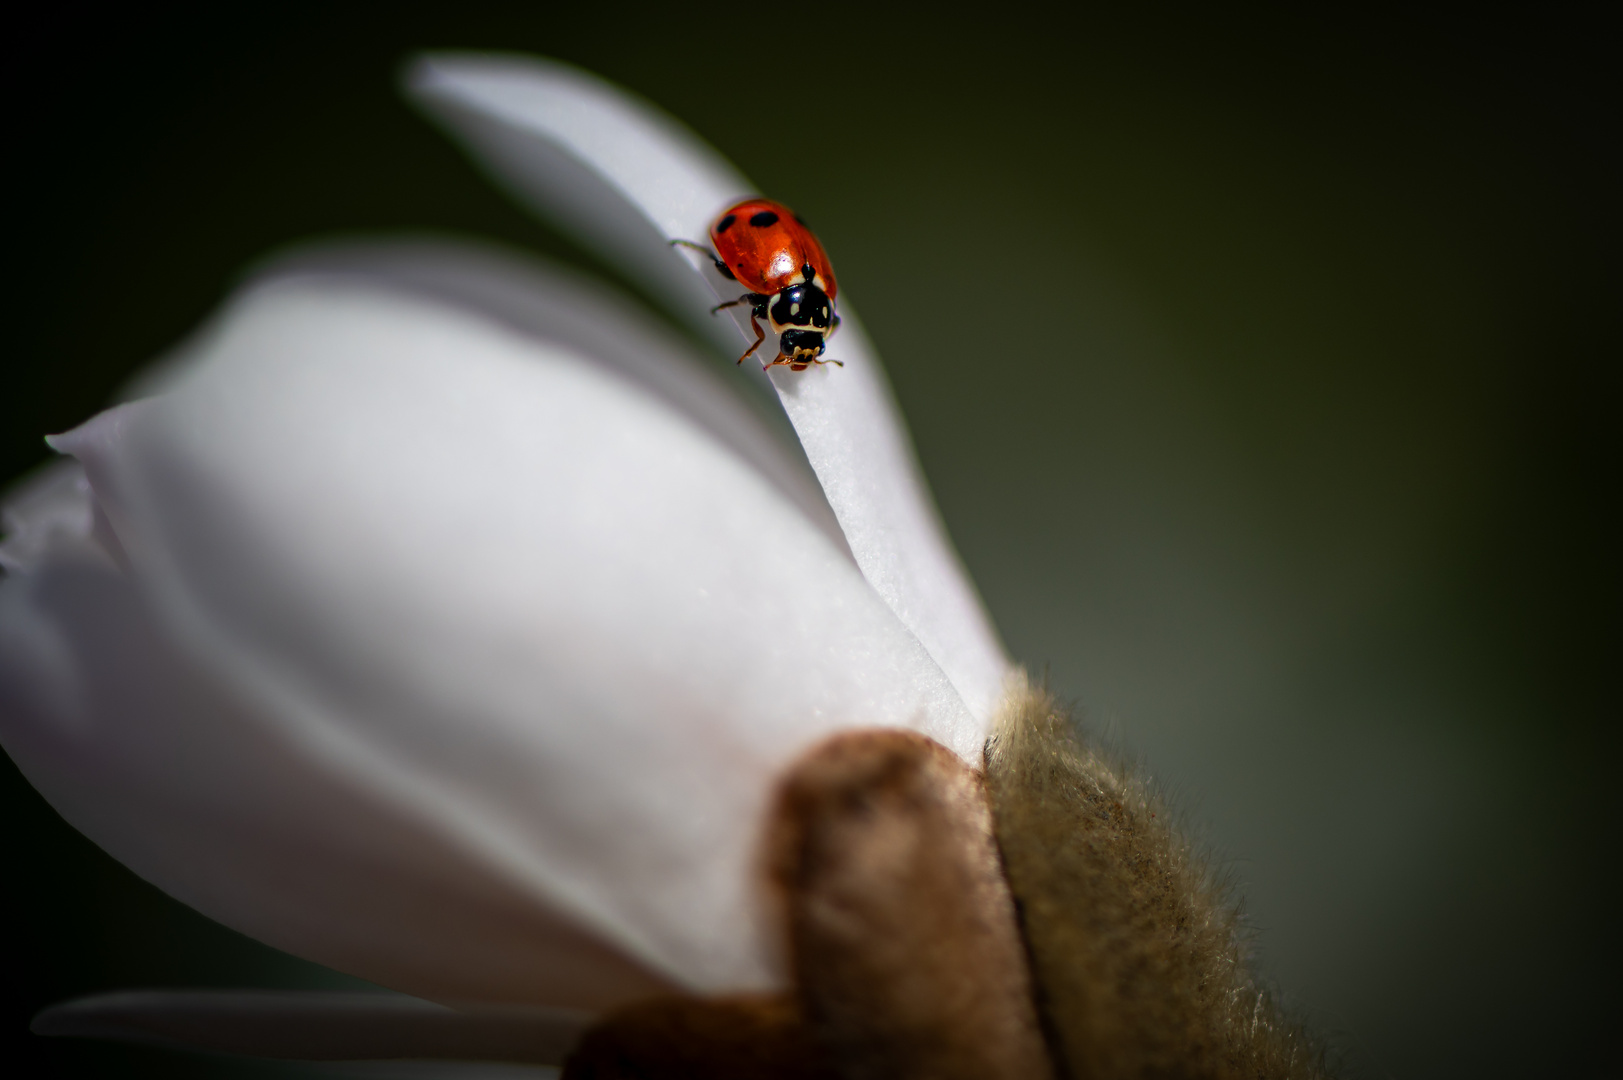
<point>435,617</point>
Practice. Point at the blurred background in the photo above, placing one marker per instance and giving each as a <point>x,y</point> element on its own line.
<point>1280,428</point>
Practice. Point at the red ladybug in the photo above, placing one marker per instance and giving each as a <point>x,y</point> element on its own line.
<point>765,247</point>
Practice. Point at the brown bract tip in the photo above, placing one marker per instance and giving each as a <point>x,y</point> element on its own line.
<point>905,946</point>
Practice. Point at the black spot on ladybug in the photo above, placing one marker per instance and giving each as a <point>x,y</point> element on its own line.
<point>801,220</point>
<point>807,272</point>
<point>726,223</point>
<point>763,219</point>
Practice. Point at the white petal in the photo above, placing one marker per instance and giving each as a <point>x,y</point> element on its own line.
<point>179,775</point>
<point>50,510</point>
<point>446,658</point>
<point>626,179</point>
<point>549,303</point>
<point>866,465</point>
<point>317,1025</point>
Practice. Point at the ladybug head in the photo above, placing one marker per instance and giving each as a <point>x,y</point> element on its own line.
<point>801,345</point>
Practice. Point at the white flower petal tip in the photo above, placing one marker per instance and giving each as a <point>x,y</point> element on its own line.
<point>444,655</point>
<point>317,1025</point>
<point>603,166</point>
<point>614,171</point>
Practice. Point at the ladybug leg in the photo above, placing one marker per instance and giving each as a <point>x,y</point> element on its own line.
<point>726,271</point>
<point>747,298</point>
<point>760,336</point>
<point>755,300</point>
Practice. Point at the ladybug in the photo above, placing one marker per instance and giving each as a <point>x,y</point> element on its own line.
<point>767,248</point>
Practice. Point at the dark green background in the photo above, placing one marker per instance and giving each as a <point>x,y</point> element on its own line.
<point>1281,422</point>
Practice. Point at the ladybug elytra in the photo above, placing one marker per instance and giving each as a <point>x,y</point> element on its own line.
<point>765,247</point>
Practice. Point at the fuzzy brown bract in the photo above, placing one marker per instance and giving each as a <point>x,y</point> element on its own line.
<point>1139,968</point>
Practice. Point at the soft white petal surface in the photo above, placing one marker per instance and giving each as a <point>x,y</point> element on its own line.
<point>49,511</point>
<point>443,656</point>
<point>626,179</point>
<point>317,1025</point>
<point>548,302</point>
